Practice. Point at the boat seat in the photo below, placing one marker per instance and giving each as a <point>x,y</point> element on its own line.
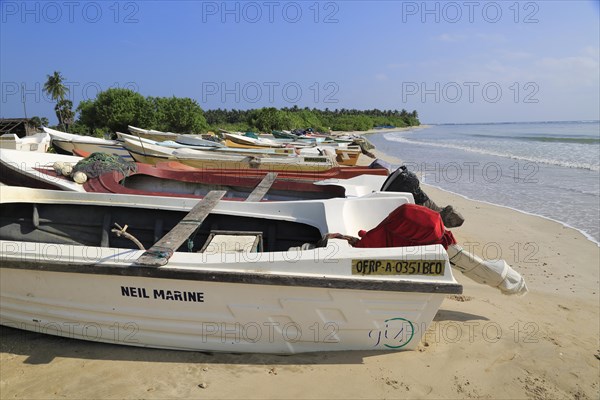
<point>233,242</point>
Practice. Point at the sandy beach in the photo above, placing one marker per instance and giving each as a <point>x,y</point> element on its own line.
<point>481,344</point>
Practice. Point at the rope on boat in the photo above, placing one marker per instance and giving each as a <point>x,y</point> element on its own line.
<point>121,231</point>
<point>350,239</point>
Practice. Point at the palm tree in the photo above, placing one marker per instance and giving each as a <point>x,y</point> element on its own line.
<point>55,88</point>
<point>64,112</point>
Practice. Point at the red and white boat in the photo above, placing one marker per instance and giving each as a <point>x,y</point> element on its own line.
<point>177,180</point>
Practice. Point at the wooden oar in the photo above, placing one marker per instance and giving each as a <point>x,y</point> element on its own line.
<point>159,254</point>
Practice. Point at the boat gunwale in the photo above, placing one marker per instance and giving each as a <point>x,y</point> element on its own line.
<point>254,278</point>
<point>66,137</point>
<point>296,278</point>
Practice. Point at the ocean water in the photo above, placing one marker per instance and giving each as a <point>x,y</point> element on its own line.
<point>550,169</point>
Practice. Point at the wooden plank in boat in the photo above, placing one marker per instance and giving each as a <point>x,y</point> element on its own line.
<point>263,187</point>
<point>159,254</point>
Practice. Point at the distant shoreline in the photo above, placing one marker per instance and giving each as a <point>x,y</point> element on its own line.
<point>383,130</point>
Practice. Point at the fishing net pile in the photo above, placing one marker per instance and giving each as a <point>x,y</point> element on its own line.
<point>97,164</point>
<point>94,165</point>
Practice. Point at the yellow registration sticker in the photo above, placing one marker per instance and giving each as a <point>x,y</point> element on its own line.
<point>398,267</point>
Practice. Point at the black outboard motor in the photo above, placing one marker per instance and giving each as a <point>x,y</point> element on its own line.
<point>379,163</point>
<point>402,180</point>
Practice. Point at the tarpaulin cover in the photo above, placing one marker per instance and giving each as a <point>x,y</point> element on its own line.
<point>408,225</point>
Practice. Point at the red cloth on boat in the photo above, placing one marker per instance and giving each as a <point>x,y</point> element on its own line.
<point>408,225</point>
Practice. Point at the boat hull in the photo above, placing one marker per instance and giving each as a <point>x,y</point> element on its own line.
<point>284,135</point>
<point>333,173</point>
<point>212,316</point>
<point>347,157</point>
<point>236,145</point>
<point>24,170</point>
<point>63,147</point>
<point>152,134</point>
<point>40,142</point>
<point>69,144</point>
<point>36,171</point>
<point>88,148</point>
<point>301,164</point>
<point>63,273</point>
<point>241,140</point>
<point>161,182</point>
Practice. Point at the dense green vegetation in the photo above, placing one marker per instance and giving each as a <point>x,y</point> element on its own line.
<point>113,109</point>
<point>38,122</point>
<point>266,119</point>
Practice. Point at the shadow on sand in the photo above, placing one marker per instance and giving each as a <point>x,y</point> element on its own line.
<point>458,316</point>
<point>42,349</point>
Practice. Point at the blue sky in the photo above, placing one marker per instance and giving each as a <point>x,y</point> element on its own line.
<point>451,61</point>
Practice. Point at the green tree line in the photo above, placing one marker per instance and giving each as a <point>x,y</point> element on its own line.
<point>267,119</point>
<point>113,109</point>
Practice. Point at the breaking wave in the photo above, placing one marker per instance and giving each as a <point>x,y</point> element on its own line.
<point>400,139</point>
<point>548,139</point>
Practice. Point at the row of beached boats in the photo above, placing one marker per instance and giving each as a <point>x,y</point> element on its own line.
<point>172,178</point>
<point>217,249</point>
<point>151,146</point>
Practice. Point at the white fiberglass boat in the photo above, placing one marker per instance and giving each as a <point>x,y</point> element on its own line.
<point>68,144</point>
<point>36,143</point>
<point>227,276</point>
